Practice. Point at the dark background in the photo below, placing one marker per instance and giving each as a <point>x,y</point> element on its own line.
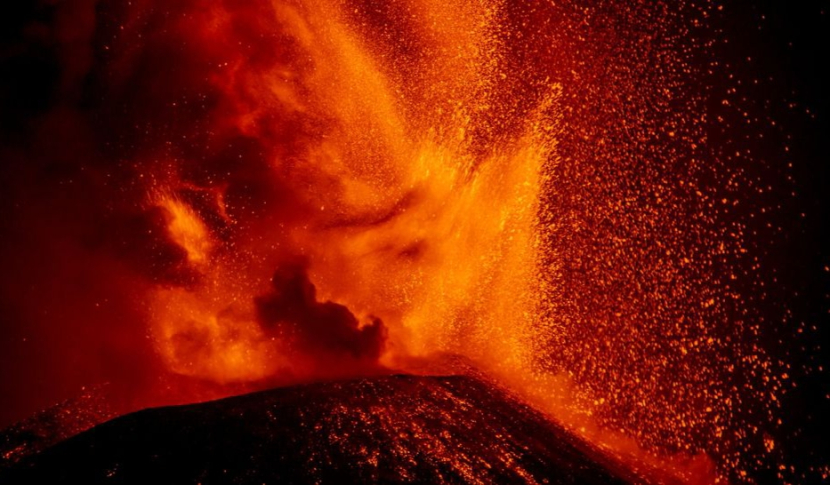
<point>783,45</point>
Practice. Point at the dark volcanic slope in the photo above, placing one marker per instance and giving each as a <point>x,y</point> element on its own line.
<point>387,429</point>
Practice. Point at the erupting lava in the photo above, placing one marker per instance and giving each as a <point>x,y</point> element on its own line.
<point>294,190</point>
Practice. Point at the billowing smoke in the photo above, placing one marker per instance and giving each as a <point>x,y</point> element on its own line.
<point>325,329</point>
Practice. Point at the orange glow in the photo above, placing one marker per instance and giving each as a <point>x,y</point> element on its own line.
<point>408,222</point>
<point>482,179</point>
<point>188,231</point>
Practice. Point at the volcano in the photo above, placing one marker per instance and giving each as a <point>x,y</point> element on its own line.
<point>398,428</point>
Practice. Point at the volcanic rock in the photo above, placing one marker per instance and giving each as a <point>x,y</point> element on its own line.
<point>398,429</point>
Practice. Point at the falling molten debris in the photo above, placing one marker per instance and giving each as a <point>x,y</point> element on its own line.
<point>233,195</point>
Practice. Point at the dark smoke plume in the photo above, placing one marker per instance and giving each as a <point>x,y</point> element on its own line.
<point>323,330</point>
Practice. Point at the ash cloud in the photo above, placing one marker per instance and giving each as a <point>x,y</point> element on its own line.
<point>322,330</point>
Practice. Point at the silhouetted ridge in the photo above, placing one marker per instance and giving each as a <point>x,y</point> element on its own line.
<point>401,428</point>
